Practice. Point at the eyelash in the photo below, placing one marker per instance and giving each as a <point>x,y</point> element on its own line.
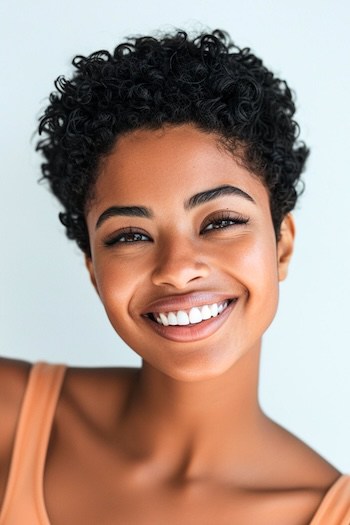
<point>216,223</point>
<point>128,232</point>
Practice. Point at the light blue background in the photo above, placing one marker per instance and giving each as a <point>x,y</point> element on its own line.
<point>48,308</point>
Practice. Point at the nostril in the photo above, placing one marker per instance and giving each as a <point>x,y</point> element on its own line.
<point>179,273</point>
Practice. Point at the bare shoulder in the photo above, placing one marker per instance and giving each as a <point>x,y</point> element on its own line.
<point>13,380</point>
<point>300,504</point>
<point>296,476</point>
<point>13,373</point>
<point>300,467</point>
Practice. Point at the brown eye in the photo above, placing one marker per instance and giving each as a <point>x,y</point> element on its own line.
<point>132,237</point>
<point>222,222</point>
<point>219,224</point>
<point>126,237</point>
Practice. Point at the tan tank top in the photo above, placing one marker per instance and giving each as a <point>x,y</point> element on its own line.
<point>24,499</point>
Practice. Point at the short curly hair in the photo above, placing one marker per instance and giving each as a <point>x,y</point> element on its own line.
<point>150,82</point>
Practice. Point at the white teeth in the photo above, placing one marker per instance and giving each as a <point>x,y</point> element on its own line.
<point>222,306</point>
<point>182,318</point>
<point>194,316</point>
<point>214,309</point>
<point>172,319</point>
<point>205,312</point>
<point>163,319</point>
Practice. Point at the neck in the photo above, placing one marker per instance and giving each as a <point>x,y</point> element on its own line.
<point>209,422</point>
<point>229,394</point>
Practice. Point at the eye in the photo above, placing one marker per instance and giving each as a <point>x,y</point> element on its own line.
<point>128,236</point>
<point>222,221</point>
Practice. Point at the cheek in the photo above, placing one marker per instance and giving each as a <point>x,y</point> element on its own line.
<point>254,264</point>
<point>116,281</point>
<point>264,285</point>
<point>260,265</point>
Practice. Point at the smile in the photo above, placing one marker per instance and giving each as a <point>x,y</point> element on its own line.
<point>193,324</point>
<point>194,315</point>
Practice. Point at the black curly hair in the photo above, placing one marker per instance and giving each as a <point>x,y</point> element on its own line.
<point>150,82</point>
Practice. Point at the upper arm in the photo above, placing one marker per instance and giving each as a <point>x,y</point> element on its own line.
<point>13,381</point>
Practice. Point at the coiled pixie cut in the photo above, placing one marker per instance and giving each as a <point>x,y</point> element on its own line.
<point>150,82</point>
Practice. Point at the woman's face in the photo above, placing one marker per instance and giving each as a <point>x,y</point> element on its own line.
<point>184,254</point>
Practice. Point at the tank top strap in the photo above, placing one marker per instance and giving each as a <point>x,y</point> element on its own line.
<point>24,491</point>
<point>335,506</point>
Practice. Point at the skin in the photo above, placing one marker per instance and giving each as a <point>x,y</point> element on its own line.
<point>183,439</point>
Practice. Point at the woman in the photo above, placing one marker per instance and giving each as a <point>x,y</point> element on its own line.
<point>177,164</point>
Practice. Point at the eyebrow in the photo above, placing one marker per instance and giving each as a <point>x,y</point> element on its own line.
<point>125,211</point>
<point>214,193</point>
<point>192,202</point>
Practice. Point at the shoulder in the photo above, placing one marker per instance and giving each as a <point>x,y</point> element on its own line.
<point>299,465</point>
<point>301,476</point>
<point>13,380</point>
<point>85,389</point>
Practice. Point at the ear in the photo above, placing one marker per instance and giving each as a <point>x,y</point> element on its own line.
<point>90,268</point>
<point>285,246</point>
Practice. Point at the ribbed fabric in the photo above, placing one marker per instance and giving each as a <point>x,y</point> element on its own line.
<point>24,498</point>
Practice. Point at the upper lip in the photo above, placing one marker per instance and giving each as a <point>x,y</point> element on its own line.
<point>186,301</point>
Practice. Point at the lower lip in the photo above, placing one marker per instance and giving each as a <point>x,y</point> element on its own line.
<point>192,332</point>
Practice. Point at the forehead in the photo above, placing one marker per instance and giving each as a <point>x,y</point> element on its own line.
<point>168,165</point>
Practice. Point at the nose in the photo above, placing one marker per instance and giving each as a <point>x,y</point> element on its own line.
<point>179,264</point>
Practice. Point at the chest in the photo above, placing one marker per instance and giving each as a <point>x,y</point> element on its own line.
<point>99,488</point>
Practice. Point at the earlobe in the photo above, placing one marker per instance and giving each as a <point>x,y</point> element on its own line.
<point>285,246</point>
<point>90,268</point>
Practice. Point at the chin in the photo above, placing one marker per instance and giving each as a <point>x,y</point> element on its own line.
<point>198,368</point>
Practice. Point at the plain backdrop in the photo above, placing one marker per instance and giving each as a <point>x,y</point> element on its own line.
<point>49,310</point>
